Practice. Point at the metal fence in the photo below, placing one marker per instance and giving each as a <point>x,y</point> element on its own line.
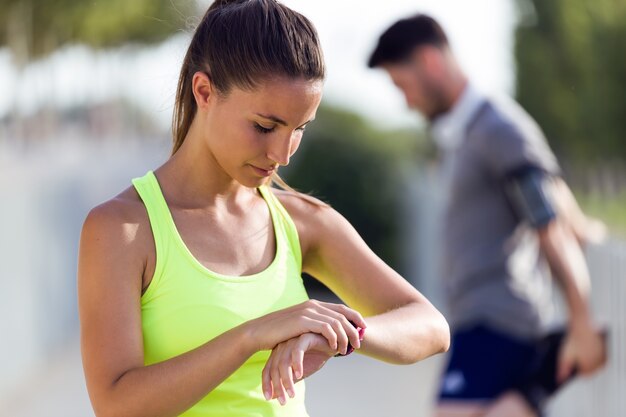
<point>603,395</point>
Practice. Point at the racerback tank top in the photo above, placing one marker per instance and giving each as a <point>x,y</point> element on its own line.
<point>186,305</point>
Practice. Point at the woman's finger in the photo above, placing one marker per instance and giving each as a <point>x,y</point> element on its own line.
<point>286,374</point>
<point>352,315</point>
<point>266,380</point>
<point>297,360</point>
<point>349,328</point>
<point>334,320</point>
<point>322,328</point>
<point>277,386</point>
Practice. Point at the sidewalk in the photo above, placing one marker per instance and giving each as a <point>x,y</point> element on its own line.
<point>58,390</point>
<point>355,386</point>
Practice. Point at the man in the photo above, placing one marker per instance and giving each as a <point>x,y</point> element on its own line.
<point>509,221</point>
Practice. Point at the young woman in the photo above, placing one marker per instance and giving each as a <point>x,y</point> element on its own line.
<point>190,295</point>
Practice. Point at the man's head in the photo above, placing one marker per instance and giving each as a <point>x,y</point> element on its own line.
<point>416,54</point>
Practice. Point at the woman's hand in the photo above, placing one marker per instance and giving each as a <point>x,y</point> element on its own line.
<point>292,361</point>
<point>332,321</point>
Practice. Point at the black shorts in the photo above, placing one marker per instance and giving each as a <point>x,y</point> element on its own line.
<point>485,363</point>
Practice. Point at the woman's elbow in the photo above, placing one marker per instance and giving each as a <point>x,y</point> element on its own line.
<point>102,409</point>
<point>437,337</point>
<point>106,404</point>
<point>442,334</point>
<point>432,336</point>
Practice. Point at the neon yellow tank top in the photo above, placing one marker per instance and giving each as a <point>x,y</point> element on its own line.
<point>187,305</point>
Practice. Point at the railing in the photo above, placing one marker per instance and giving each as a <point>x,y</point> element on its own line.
<point>604,394</point>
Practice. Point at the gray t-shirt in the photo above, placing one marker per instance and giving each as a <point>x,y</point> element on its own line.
<point>493,270</point>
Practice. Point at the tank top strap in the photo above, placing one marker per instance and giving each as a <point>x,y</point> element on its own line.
<point>289,230</point>
<point>150,193</point>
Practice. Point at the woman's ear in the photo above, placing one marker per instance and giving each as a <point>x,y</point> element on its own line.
<point>202,89</point>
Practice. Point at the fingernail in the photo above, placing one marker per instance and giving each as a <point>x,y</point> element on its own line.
<point>290,392</point>
<point>281,400</point>
<point>267,394</point>
<point>298,374</point>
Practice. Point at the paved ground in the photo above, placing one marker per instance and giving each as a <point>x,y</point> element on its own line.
<point>57,390</point>
<point>346,387</point>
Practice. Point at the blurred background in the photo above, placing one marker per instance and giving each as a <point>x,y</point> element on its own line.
<point>86,96</point>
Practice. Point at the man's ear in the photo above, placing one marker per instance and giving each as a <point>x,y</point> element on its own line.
<point>202,89</point>
<point>431,59</point>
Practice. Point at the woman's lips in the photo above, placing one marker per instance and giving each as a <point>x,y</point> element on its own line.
<point>263,172</point>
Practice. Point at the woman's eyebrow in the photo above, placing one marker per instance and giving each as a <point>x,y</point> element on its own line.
<point>273,119</point>
<point>278,120</point>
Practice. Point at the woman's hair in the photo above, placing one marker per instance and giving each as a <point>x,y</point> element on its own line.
<point>241,43</point>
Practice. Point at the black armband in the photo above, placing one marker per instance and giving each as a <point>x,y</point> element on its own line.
<point>528,191</point>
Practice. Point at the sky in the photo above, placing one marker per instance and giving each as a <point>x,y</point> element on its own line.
<point>480,32</point>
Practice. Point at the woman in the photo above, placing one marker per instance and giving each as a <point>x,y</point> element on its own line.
<point>190,296</point>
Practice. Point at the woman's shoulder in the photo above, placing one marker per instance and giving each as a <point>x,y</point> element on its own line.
<point>119,219</point>
<point>313,217</point>
<point>301,207</point>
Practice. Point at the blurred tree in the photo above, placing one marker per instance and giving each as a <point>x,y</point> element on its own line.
<point>34,28</point>
<point>571,74</point>
<point>356,168</point>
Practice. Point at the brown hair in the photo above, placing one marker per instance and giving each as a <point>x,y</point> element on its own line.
<point>242,43</point>
<point>397,42</point>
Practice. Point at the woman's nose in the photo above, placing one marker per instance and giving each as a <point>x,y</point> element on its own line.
<point>280,149</point>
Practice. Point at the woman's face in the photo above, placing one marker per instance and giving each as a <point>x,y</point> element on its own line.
<point>251,133</point>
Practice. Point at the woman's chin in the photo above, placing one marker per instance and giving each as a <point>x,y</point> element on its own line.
<point>255,182</point>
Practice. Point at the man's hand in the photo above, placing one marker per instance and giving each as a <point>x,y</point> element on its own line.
<point>584,351</point>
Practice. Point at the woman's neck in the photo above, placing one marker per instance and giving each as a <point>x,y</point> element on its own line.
<point>194,178</point>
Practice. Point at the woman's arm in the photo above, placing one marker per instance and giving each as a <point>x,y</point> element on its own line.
<point>402,325</point>
<point>115,240</point>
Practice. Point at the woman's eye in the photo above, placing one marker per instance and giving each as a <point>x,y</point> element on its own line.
<point>262,129</point>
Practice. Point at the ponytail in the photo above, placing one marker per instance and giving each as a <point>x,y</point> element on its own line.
<point>242,43</point>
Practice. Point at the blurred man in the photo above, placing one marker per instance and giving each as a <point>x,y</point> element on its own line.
<point>509,221</point>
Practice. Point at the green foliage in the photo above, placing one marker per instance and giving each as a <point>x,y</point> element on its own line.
<point>38,27</point>
<point>571,73</point>
<point>609,209</point>
<point>355,168</point>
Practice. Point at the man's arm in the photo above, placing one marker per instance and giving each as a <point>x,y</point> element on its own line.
<point>586,229</point>
<point>584,348</point>
<point>532,195</point>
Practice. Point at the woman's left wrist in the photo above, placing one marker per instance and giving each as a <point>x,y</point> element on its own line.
<point>350,348</point>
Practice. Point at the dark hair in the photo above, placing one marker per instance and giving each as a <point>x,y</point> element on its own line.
<point>397,42</point>
<point>241,43</point>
